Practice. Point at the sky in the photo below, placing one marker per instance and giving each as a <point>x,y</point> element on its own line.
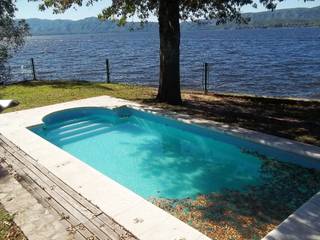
<point>30,9</point>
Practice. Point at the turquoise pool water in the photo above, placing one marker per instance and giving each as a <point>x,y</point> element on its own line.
<point>158,157</point>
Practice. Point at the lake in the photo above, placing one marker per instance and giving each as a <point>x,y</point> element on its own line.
<point>273,62</point>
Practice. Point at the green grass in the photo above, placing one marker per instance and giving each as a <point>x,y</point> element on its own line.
<point>5,223</point>
<point>36,94</point>
<point>8,229</point>
<point>293,119</point>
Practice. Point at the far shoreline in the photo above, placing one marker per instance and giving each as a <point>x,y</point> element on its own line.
<point>182,31</point>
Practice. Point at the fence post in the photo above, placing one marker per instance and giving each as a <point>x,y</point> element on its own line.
<point>206,76</point>
<point>33,70</point>
<point>108,70</point>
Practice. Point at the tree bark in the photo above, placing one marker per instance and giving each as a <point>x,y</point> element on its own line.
<point>169,30</point>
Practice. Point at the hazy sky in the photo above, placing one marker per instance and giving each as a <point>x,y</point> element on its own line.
<point>30,9</point>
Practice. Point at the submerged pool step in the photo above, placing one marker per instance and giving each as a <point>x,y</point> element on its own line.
<point>76,126</point>
<point>81,129</point>
<point>68,123</point>
<point>60,140</point>
<point>76,129</point>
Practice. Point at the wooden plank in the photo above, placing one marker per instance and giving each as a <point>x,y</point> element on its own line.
<point>43,196</point>
<point>51,185</point>
<point>69,191</point>
<point>35,194</point>
<point>45,199</point>
<point>73,224</point>
<point>72,211</point>
<point>106,228</point>
<point>81,214</point>
<point>17,152</point>
<point>66,200</point>
<point>125,234</point>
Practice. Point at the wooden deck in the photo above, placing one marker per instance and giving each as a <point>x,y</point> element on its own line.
<point>83,219</point>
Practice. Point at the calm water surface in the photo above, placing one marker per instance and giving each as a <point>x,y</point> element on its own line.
<point>275,62</point>
<point>159,157</point>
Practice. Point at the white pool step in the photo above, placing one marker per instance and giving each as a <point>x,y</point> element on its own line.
<point>81,135</point>
<point>75,126</point>
<point>61,133</point>
<point>66,123</point>
<point>82,128</point>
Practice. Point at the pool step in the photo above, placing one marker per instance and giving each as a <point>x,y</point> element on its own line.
<point>74,125</point>
<point>77,125</point>
<point>78,133</point>
<point>71,122</point>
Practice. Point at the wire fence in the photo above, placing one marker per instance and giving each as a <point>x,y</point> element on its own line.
<point>5,73</point>
<point>208,77</point>
<point>198,77</point>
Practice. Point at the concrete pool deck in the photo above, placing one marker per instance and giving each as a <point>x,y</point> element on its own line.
<point>134,213</point>
<point>303,224</point>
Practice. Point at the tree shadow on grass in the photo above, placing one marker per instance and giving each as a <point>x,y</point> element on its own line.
<point>287,118</point>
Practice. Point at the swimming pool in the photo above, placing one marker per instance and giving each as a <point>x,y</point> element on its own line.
<point>201,175</point>
<point>156,156</point>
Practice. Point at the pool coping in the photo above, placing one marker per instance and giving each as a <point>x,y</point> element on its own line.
<point>143,219</point>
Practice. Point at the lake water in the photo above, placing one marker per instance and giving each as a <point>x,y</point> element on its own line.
<point>274,62</point>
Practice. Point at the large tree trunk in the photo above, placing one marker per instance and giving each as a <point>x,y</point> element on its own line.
<point>169,29</point>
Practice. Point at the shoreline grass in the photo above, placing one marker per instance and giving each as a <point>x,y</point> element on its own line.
<point>289,118</point>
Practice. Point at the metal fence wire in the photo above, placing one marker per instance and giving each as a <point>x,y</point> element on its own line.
<point>214,77</point>
<point>5,73</point>
<point>108,71</point>
<point>18,73</point>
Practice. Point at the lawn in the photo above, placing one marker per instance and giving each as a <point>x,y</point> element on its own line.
<point>287,118</point>
<point>36,94</point>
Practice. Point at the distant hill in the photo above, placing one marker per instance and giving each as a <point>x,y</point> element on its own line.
<point>286,18</point>
<point>87,25</point>
<point>297,17</point>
